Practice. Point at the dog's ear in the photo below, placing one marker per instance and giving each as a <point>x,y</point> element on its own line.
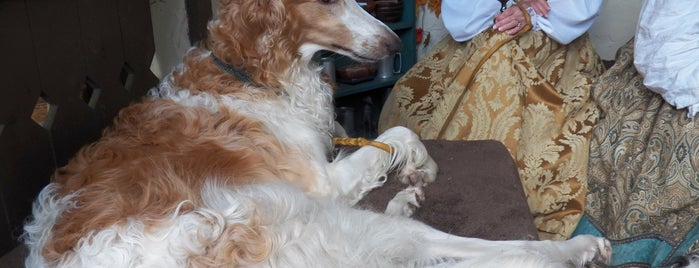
<point>263,16</point>
<point>261,22</point>
<point>248,19</point>
<point>254,35</point>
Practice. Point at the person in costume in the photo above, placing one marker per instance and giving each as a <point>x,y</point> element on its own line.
<point>519,73</point>
<point>643,172</point>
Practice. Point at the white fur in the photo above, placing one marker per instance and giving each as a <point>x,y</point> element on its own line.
<point>46,210</point>
<point>313,232</point>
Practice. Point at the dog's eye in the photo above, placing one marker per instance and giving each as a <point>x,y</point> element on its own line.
<point>328,1</point>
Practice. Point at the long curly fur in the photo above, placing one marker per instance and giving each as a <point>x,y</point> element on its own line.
<point>212,171</point>
<point>203,124</point>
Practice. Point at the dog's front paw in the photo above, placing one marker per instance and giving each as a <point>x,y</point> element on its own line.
<point>591,249</point>
<point>421,175</point>
<point>414,165</point>
<point>405,202</point>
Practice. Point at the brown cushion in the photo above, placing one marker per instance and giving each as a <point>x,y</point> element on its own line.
<point>477,192</point>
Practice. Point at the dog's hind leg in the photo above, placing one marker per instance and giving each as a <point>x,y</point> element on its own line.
<point>474,252</point>
<point>405,202</point>
<point>315,232</point>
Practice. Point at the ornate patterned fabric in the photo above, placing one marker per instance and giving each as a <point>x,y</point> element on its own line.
<point>529,92</point>
<point>644,171</point>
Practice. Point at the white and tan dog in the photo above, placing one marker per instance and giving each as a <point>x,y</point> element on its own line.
<point>228,163</point>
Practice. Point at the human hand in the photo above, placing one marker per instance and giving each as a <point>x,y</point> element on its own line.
<point>511,20</point>
<point>541,7</point>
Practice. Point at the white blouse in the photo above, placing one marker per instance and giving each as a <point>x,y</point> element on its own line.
<point>567,20</point>
<point>666,51</point>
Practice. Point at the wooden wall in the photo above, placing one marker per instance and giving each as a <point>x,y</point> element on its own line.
<point>80,61</point>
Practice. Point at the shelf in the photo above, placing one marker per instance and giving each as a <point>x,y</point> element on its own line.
<point>401,25</point>
<point>405,29</point>
<point>346,89</point>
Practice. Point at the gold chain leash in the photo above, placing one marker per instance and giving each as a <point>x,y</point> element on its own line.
<point>362,142</point>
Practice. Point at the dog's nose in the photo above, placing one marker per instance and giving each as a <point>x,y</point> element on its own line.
<point>393,45</point>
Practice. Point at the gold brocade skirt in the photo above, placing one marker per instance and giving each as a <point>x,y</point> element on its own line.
<point>530,92</point>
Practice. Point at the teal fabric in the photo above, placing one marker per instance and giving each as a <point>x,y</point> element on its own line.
<point>647,250</point>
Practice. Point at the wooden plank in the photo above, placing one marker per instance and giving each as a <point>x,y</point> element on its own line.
<point>101,37</point>
<point>27,165</point>
<point>25,154</point>
<point>139,47</point>
<point>6,241</point>
<point>62,63</point>
<point>138,56</point>
<point>20,79</point>
<point>198,16</point>
<point>56,45</point>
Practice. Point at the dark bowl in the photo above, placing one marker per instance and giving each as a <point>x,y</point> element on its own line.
<point>389,9</point>
<point>387,19</point>
<point>388,3</point>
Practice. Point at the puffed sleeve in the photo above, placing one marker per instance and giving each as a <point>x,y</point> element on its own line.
<point>464,19</point>
<point>666,51</point>
<point>567,20</point>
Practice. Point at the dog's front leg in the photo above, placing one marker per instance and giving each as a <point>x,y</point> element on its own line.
<point>412,163</point>
<point>367,168</point>
<point>354,175</point>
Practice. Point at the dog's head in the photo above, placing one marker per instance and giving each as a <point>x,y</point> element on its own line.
<point>342,26</point>
<point>265,36</point>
